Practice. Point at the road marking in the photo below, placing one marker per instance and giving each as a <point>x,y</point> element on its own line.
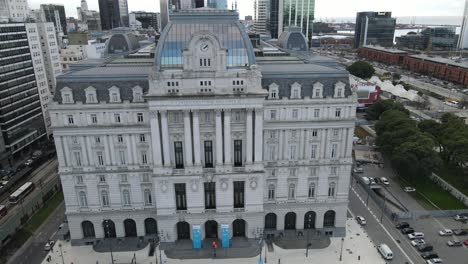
<point>385,229</point>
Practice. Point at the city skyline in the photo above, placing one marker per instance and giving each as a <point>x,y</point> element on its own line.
<point>324,9</point>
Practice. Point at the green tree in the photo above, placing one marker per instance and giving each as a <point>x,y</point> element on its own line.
<point>393,129</point>
<point>361,69</point>
<point>376,110</point>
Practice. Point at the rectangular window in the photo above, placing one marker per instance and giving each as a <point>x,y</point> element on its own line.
<point>179,156</point>
<point>102,178</point>
<point>122,157</point>
<point>142,138</point>
<point>338,112</point>
<point>295,114</point>
<point>271,193</point>
<point>181,197</point>
<point>292,152</point>
<point>79,179</point>
<point>77,158</point>
<point>97,140</point>
<point>273,114</point>
<point>140,118</point>
<point>100,158</point>
<point>208,154</point>
<point>314,133</point>
<point>94,118</point>
<point>333,170</point>
<point>210,195</point>
<point>313,171</point>
<point>115,97</point>
<point>334,151</point>
<point>117,118</point>
<point>123,178</point>
<point>316,113</point>
<point>71,121</point>
<point>239,194</point>
<point>146,177</point>
<point>313,151</point>
<point>237,153</point>
<point>144,158</point>
<point>331,190</point>
<point>120,138</point>
<point>311,193</point>
<point>335,132</point>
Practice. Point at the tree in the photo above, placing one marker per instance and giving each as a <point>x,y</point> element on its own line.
<point>393,129</point>
<point>361,69</point>
<point>377,109</point>
<point>396,76</point>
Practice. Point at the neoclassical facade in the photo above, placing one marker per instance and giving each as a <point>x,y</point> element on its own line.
<point>206,136</point>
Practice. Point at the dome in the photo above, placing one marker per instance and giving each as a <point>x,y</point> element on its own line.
<point>293,39</point>
<point>122,42</point>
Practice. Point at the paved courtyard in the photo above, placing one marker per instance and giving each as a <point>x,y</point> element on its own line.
<point>355,245</point>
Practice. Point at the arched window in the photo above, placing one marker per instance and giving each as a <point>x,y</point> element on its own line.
<point>273,91</point>
<point>317,91</point>
<point>292,191</point>
<point>83,199</point>
<point>311,193</point>
<point>148,198</point>
<point>329,219</point>
<point>331,190</point>
<point>105,198</point>
<point>271,192</point>
<point>295,91</point>
<point>126,198</point>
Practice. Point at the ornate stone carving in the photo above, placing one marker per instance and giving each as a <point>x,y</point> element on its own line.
<point>253,183</point>
<point>194,185</point>
<point>224,184</point>
<point>164,186</point>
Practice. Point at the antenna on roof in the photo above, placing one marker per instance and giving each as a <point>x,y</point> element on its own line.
<point>236,5</point>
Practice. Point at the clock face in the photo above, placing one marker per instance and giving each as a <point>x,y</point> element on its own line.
<point>204,46</point>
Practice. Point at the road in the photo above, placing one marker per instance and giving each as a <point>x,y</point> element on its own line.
<point>32,251</point>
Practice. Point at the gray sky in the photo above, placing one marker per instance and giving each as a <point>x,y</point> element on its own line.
<point>324,8</point>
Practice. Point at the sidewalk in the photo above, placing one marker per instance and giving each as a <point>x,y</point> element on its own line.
<point>355,244</point>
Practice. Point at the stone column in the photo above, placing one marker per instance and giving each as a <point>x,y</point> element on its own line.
<point>258,135</point>
<point>155,139</point>
<point>280,144</point>
<point>60,152</point>
<point>188,139</point>
<point>196,137</point>
<point>129,149</point>
<point>89,144</point>
<point>134,150</point>
<point>165,139</point>
<point>66,151</point>
<point>107,155</point>
<point>302,145</point>
<point>227,136</point>
<point>219,138</point>
<point>110,140</point>
<point>85,151</point>
<point>249,131</point>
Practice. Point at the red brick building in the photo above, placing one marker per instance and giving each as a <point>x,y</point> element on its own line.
<point>381,54</point>
<point>441,68</point>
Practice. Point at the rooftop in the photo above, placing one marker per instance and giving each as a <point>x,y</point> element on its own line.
<point>389,50</point>
<point>456,63</point>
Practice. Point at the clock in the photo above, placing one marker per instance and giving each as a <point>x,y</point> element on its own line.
<point>204,46</point>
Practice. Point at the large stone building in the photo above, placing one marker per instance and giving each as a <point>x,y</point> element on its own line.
<point>206,136</point>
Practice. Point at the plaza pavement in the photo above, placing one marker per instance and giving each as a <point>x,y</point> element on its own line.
<point>355,245</point>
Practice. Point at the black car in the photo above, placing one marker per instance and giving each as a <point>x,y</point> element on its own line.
<point>402,225</point>
<point>424,247</point>
<point>406,231</point>
<point>429,255</point>
<point>459,232</point>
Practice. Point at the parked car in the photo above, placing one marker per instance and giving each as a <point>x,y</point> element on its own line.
<point>47,247</point>
<point>409,189</point>
<point>358,170</point>
<point>402,225</point>
<point>384,181</point>
<point>434,261</point>
<point>460,218</point>
<point>417,241</point>
<point>454,243</point>
<point>446,232</point>
<point>465,242</point>
<point>424,248</point>
<point>361,220</point>
<point>429,255</point>
<point>459,232</point>
<point>29,162</point>
<point>407,230</point>
<point>415,235</point>
<point>385,251</point>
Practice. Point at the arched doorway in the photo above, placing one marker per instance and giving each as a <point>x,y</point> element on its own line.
<point>130,228</point>
<point>309,220</point>
<point>109,228</point>
<point>329,219</point>
<point>151,227</point>
<point>290,221</point>
<point>238,228</point>
<point>183,230</point>
<point>270,221</point>
<point>88,229</point>
<point>211,229</point>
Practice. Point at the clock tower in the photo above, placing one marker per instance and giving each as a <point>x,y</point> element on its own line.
<point>204,53</point>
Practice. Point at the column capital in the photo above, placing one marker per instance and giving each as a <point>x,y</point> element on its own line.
<point>218,112</point>
<point>153,114</point>
<point>195,111</point>
<point>186,113</point>
<point>259,110</point>
<point>163,112</point>
<point>227,110</point>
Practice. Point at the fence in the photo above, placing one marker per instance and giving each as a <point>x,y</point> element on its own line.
<point>448,187</point>
<point>35,202</point>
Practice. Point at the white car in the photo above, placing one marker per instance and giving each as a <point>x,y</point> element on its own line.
<point>361,220</point>
<point>358,170</point>
<point>417,241</point>
<point>415,235</point>
<point>460,218</point>
<point>434,261</point>
<point>384,181</point>
<point>446,232</point>
<point>409,189</point>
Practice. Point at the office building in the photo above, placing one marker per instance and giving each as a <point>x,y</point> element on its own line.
<point>374,28</point>
<point>429,39</point>
<point>55,14</point>
<point>147,19</point>
<point>114,13</point>
<point>217,4</point>
<point>261,17</point>
<point>14,11</point>
<point>463,39</point>
<point>206,137</point>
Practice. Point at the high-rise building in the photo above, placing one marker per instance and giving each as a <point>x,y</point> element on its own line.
<point>261,17</point>
<point>208,138</point>
<point>463,39</point>
<point>147,19</point>
<point>374,28</point>
<point>114,13</point>
<point>217,4</point>
<point>55,14</point>
<point>14,10</point>
<point>84,5</point>
<point>296,13</point>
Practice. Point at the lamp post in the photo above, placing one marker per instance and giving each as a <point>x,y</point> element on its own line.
<point>61,253</point>
<point>110,240</point>
<point>160,253</point>
<point>308,226</point>
<point>341,251</point>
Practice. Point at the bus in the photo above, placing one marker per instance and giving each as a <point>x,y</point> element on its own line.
<point>22,192</point>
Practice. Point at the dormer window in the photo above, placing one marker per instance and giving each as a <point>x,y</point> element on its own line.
<point>114,95</point>
<point>317,90</point>
<point>273,91</point>
<point>91,96</point>
<point>137,94</point>
<point>296,91</point>
<point>339,90</point>
<point>67,96</point>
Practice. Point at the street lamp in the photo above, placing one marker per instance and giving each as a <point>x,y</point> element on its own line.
<point>341,251</point>
<point>110,240</point>
<point>61,253</point>
<point>309,221</point>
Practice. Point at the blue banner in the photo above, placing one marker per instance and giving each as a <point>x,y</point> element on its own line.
<point>225,235</point>
<point>196,236</point>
